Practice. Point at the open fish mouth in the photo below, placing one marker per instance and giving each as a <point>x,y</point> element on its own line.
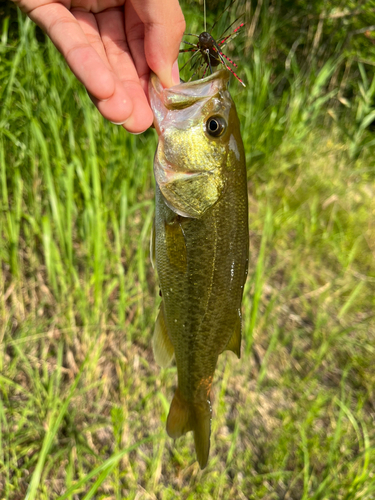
<point>184,95</point>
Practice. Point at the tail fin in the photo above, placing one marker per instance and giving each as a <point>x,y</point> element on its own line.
<point>202,432</point>
<point>184,417</point>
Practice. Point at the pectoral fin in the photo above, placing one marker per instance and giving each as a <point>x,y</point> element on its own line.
<point>161,343</point>
<point>176,245</point>
<point>191,194</point>
<point>234,343</point>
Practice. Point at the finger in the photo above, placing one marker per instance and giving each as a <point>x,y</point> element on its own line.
<point>112,32</point>
<point>164,27</point>
<point>135,36</point>
<point>66,33</point>
<point>135,122</point>
<point>89,26</point>
<point>120,106</point>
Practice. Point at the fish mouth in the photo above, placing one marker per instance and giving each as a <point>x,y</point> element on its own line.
<point>184,95</point>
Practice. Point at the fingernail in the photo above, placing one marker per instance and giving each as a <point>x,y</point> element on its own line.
<point>175,73</point>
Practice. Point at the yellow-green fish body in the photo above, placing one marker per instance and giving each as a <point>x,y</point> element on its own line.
<point>201,241</point>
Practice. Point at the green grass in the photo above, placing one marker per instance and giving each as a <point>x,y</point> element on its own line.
<point>82,403</point>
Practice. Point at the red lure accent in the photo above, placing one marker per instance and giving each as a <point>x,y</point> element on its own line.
<point>211,52</point>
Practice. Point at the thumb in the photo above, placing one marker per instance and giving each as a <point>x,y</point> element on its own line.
<point>164,26</point>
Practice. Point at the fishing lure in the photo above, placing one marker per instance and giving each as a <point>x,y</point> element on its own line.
<point>210,49</point>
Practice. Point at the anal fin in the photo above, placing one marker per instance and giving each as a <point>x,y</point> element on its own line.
<point>161,343</point>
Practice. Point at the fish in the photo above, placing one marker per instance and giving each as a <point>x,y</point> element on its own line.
<point>200,242</point>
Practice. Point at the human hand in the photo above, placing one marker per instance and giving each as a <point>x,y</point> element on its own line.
<point>111,46</point>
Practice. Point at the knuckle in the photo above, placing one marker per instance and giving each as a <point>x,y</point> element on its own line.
<point>63,21</point>
<point>135,32</point>
<point>181,26</point>
<point>115,47</point>
<point>72,50</point>
<point>93,38</point>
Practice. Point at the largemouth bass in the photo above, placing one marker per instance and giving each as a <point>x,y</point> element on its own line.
<point>201,242</point>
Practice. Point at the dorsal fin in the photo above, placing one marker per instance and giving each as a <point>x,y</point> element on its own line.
<point>234,343</point>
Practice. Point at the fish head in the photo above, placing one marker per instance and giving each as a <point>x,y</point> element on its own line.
<point>198,128</point>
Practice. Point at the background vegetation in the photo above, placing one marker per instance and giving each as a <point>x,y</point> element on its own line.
<point>82,403</point>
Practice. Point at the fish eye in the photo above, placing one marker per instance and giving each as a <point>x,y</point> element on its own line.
<point>216,126</point>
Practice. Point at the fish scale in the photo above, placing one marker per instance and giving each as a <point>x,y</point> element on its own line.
<point>201,244</point>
